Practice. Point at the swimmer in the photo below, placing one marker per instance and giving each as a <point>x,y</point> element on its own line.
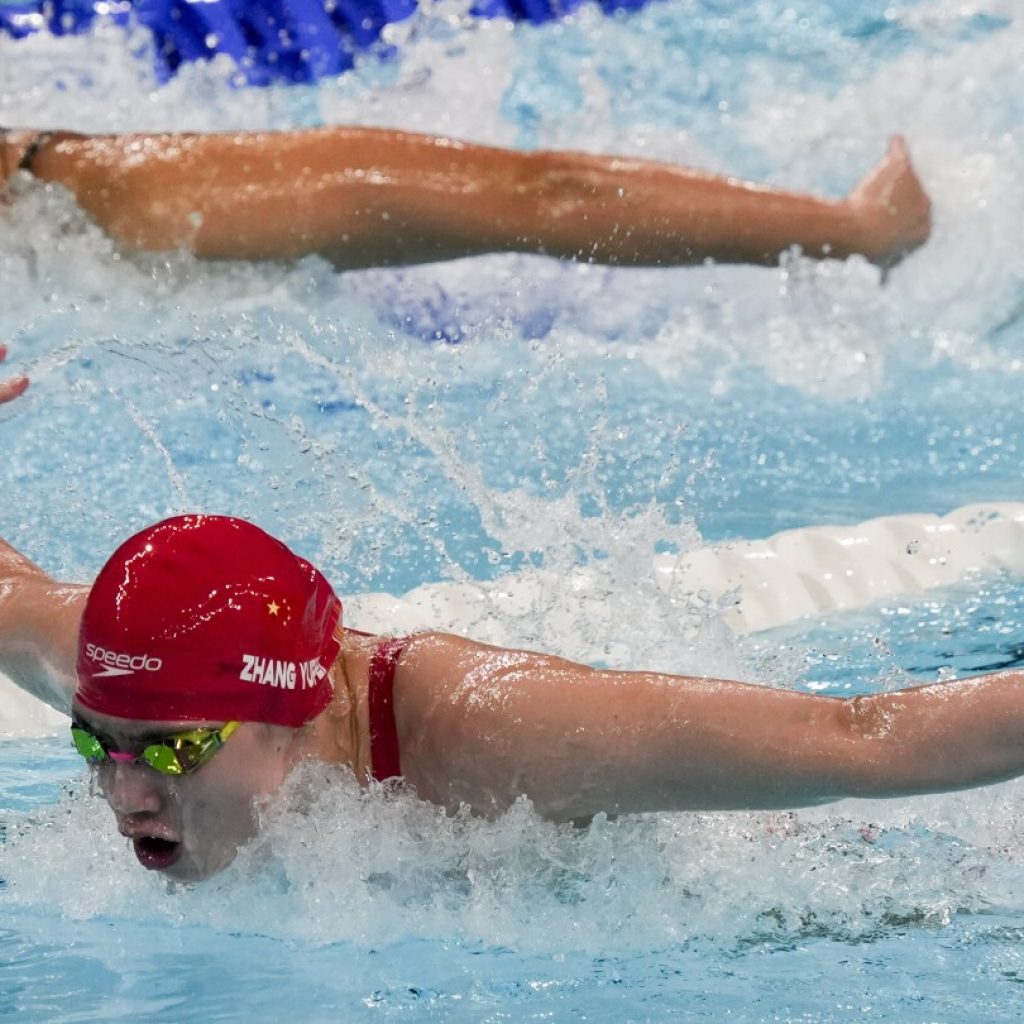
<point>207,660</point>
<point>364,197</point>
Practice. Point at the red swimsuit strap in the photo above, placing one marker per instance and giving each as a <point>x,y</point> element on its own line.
<point>385,762</point>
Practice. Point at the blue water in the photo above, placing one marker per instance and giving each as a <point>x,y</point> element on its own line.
<point>458,422</point>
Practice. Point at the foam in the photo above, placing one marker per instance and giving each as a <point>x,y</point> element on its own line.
<point>378,866</point>
<point>791,575</point>
<point>759,584</point>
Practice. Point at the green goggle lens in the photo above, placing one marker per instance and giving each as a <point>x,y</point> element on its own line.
<point>177,755</point>
<point>163,759</point>
<point>88,745</point>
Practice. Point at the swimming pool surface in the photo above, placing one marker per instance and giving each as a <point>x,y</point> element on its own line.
<point>459,422</point>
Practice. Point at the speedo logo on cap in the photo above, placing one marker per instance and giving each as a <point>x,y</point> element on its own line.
<point>117,663</point>
<point>282,674</point>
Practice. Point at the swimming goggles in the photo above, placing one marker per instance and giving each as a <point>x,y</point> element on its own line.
<point>180,754</point>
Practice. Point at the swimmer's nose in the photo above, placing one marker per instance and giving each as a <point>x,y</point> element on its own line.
<point>131,788</point>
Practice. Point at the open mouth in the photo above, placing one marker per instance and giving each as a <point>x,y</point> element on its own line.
<point>155,853</point>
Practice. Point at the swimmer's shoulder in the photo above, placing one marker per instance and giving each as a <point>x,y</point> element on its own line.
<point>439,663</point>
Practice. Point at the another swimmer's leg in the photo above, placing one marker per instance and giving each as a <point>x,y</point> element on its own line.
<point>893,207</point>
<point>634,212</point>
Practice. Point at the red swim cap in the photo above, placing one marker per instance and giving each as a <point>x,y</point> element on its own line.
<point>208,618</point>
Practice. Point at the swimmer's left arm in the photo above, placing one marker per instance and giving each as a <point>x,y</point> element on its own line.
<point>483,725</point>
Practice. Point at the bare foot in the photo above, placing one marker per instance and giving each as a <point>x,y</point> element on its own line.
<point>892,206</point>
<point>11,388</point>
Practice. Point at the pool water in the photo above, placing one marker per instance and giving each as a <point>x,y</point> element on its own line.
<point>459,422</point>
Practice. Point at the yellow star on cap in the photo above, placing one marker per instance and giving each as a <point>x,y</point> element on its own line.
<point>273,607</point>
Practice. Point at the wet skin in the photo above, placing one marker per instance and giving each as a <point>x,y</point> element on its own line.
<point>363,197</point>
<point>13,387</point>
<point>190,826</point>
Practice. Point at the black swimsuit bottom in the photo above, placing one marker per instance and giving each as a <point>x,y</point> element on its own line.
<point>25,164</point>
<point>40,140</point>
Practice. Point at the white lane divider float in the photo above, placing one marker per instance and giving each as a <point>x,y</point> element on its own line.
<point>791,575</point>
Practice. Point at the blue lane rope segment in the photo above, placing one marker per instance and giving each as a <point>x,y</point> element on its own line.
<point>269,40</point>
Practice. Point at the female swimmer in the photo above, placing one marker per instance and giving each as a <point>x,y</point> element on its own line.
<point>365,197</point>
<point>207,660</point>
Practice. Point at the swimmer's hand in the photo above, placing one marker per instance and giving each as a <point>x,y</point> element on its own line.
<point>10,389</point>
<point>892,208</point>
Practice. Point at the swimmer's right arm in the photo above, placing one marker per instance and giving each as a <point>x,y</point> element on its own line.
<point>39,619</point>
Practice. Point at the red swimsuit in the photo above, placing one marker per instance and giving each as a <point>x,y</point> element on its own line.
<point>384,759</point>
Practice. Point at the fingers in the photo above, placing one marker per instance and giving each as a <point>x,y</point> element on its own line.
<point>10,389</point>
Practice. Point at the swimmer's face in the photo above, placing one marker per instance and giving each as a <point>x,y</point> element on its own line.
<point>190,826</point>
